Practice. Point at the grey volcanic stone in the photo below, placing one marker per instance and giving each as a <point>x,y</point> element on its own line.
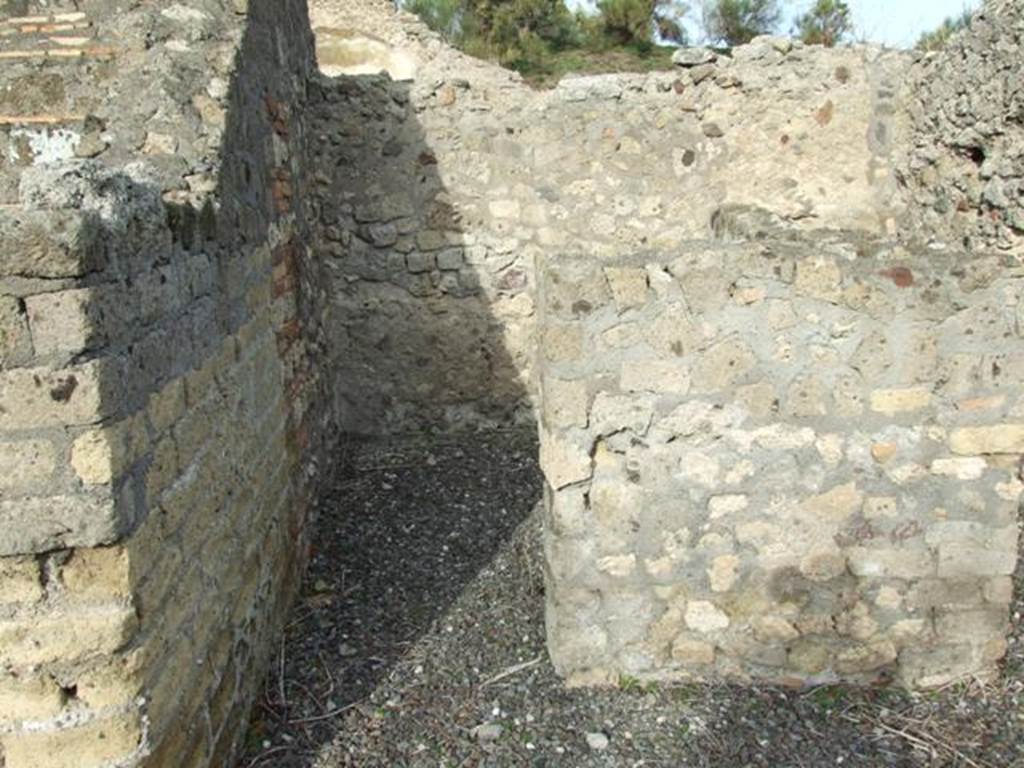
<point>597,741</point>
<point>692,57</point>
<point>488,732</point>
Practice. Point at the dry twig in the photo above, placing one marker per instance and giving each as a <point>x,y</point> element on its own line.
<point>265,754</point>
<point>926,742</point>
<point>325,716</point>
<point>513,670</point>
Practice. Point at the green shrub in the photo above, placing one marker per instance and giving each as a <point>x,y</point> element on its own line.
<point>626,21</point>
<point>735,22</point>
<point>634,22</point>
<point>937,38</point>
<point>506,24</point>
<point>828,22</point>
<point>442,16</point>
<point>543,40</point>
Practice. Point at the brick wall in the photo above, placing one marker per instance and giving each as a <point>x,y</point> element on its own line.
<point>210,256</point>
<point>161,425</point>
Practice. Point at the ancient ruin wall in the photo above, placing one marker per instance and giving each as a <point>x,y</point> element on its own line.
<point>796,460</point>
<point>963,164</point>
<point>427,322</point>
<point>774,137</point>
<point>159,416</point>
<point>208,251</point>
<point>436,196</point>
<point>836,369</point>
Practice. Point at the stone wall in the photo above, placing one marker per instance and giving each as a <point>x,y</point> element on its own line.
<point>778,453</point>
<point>435,197</point>
<point>429,319</point>
<point>161,423</point>
<point>795,460</point>
<point>964,159</point>
<point>458,182</point>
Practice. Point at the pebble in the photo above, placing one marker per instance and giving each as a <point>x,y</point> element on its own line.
<point>347,650</point>
<point>597,741</point>
<point>693,57</point>
<point>713,130</point>
<point>488,732</point>
<point>91,145</point>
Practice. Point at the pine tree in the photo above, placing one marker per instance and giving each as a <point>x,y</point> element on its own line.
<point>442,16</point>
<point>828,22</point>
<point>634,22</point>
<point>735,22</point>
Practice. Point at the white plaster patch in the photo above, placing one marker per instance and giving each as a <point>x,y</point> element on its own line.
<point>49,145</point>
<point>182,13</point>
<point>344,53</point>
<point>970,468</point>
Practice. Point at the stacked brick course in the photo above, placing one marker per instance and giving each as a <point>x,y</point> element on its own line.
<point>159,416</point>
<point>794,457</point>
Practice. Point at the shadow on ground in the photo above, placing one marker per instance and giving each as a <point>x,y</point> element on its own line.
<point>418,642</point>
<point>406,527</point>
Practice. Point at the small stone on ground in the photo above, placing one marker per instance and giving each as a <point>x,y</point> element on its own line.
<point>597,741</point>
<point>437,585</point>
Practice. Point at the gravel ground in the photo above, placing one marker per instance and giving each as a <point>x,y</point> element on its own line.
<point>419,641</point>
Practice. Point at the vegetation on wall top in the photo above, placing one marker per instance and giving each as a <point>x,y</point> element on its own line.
<point>544,40</point>
<point>937,38</point>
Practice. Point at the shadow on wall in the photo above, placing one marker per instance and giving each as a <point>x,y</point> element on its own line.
<point>413,342</point>
<point>412,345</point>
<point>183,354</point>
<point>171,362</point>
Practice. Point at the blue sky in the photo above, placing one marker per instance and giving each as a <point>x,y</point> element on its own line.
<point>900,22</point>
<point>897,23</point>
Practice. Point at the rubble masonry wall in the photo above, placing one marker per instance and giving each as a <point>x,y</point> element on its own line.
<point>779,434</point>
<point>796,460</point>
